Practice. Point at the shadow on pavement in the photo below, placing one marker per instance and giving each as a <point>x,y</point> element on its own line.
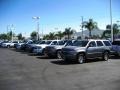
<point>44,57</point>
<point>115,57</point>
<point>32,54</point>
<point>62,62</point>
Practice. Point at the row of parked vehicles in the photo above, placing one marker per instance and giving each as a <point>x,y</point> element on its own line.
<point>69,50</point>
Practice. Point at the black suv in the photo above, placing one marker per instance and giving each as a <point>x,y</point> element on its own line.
<point>87,49</point>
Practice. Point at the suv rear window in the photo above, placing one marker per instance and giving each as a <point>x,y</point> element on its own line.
<point>99,43</point>
<point>107,43</point>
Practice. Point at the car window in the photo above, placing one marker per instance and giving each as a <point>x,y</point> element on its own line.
<point>69,43</point>
<point>42,42</point>
<point>99,43</point>
<point>48,42</point>
<point>61,42</point>
<point>107,43</point>
<point>92,44</point>
<point>54,43</point>
<point>29,42</point>
<point>116,43</point>
<point>80,43</point>
<point>15,41</point>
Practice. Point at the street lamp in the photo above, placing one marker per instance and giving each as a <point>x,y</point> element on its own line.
<point>37,30</point>
<point>12,28</point>
<point>82,26</point>
<point>111,21</point>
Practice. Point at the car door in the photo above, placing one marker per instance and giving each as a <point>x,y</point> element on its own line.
<point>100,48</point>
<point>91,50</point>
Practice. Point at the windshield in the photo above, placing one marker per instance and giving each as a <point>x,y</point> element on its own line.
<point>69,43</point>
<point>80,43</point>
<point>48,42</point>
<point>15,41</point>
<point>61,42</point>
<point>42,42</point>
<point>36,42</point>
<point>29,42</point>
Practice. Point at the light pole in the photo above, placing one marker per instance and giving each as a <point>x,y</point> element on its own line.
<point>82,26</point>
<point>37,30</point>
<point>12,28</point>
<point>8,28</point>
<point>111,21</point>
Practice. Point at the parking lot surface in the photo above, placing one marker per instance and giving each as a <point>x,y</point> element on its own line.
<point>24,71</point>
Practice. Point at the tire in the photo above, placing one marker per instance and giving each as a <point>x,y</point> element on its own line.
<point>43,53</point>
<point>59,55</point>
<point>8,46</point>
<point>81,58</point>
<point>105,56</point>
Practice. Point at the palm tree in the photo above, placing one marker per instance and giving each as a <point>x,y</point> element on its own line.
<point>33,35</point>
<point>107,32</point>
<point>115,28</point>
<point>90,25</point>
<point>3,36</point>
<point>46,37</point>
<point>68,32</point>
<point>60,34</point>
<point>19,36</point>
<point>51,35</point>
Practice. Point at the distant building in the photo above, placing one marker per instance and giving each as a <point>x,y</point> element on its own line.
<point>95,32</point>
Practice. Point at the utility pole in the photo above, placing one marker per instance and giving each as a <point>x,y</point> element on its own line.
<point>82,26</point>
<point>12,28</point>
<point>112,36</point>
<point>37,20</point>
<point>8,27</point>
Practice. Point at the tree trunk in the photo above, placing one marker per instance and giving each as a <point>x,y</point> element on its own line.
<point>90,34</point>
<point>68,36</point>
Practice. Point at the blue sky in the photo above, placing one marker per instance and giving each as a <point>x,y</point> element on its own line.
<point>55,14</point>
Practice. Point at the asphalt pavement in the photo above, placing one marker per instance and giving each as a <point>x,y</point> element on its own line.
<point>25,71</point>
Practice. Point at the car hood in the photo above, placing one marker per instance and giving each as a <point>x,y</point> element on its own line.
<point>6,43</point>
<point>20,43</point>
<point>33,45</point>
<point>41,45</point>
<point>56,46</point>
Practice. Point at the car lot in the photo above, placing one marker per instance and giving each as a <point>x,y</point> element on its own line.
<point>24,71</point>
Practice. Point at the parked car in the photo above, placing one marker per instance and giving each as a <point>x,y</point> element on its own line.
<point>87,49</point>
<point>1,42</point>
<point>116,47</point>
<point>18,45</point>
<point>15,45</point>
<point>22,45</point>
<point>55,50</point>
<point>31,46</point>
<point>39,49</point>
<point>25,45</point>
<point>9,44</point>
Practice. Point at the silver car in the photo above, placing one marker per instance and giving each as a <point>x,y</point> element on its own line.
<point>87,49</point>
